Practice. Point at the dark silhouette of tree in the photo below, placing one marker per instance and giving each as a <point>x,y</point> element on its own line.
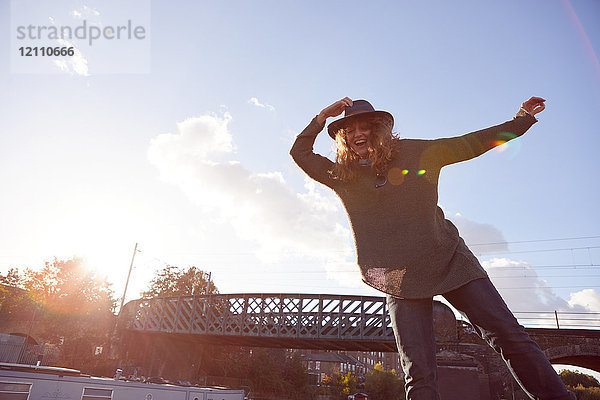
<point>175,281</point>
<point>15,303</point>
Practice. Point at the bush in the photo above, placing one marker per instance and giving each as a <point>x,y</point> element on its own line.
<point>574,379</point>
<point>384,385</point>
<point>585,393</point>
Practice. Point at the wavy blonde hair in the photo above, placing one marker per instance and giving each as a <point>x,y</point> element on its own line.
<point>382,145</point>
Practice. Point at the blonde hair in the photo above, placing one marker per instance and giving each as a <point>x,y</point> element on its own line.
<point>382,144</point>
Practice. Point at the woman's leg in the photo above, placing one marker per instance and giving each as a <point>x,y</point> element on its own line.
<point>412,321</point>
<point>481,303</point>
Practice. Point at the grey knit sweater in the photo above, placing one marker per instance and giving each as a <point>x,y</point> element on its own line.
<point>405,246</point>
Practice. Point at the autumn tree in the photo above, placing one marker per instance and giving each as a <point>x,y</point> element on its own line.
<point>67,305</point>
<point>382,385</point>
<point>574,379</point>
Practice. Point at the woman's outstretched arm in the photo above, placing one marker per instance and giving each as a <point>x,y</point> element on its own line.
<point>461,148</point>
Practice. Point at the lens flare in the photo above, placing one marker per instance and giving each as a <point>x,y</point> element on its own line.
<point>404,172</point>
<point>593,57</point>
<point>395,176</point>
<point>502,144</point>
<point>421,172</point>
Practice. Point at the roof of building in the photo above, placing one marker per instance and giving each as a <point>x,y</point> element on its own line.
<point>332,357</point>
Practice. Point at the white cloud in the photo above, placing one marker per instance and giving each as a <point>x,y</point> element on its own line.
<point>475,234</point>
<point>587,298</point>
<point>521,287</point>
<point>518,282</point>
<point>254,101</point>
<point>261,206</point>
<point>524,291</point>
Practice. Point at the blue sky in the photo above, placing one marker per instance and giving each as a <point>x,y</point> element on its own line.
<point>188,156</point>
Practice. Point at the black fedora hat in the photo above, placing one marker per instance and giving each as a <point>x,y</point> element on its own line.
<point>358,108</point>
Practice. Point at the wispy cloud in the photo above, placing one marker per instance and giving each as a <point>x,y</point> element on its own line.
<point>84,11</point>
<point>254,101</point>
<point>481,238</point>
<point>76,64</point>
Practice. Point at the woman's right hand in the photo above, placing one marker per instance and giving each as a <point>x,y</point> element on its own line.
<point>334,110</point>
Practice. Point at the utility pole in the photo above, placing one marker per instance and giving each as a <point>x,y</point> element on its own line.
<point>208,283</point>
<point>128,275</point>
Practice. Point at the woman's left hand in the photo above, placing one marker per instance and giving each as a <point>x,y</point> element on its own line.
<point>534,105</point>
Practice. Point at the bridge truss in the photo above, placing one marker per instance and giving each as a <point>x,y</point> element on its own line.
<point>306,321</point>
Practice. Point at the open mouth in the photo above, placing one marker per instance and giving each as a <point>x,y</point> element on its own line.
<point>360,142</point>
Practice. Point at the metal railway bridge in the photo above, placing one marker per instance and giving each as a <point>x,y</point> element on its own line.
<point>313,321</point>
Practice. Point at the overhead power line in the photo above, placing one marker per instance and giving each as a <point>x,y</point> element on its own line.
<point>536,241</point>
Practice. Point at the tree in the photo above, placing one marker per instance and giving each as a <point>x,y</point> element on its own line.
<point>265,374</point>
<point>175,281</point>
<point>63,304</point>
<point>295,376</point>
<point>66,287</point>
<point>15,304</point>
<point>12,278</point>
<point>176,358</point>
<point>347,383</point>
<point>381,384</point>
<point>573,379</point>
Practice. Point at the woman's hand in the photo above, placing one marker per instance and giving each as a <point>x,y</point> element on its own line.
<point>534,105</point>
<point>334,110</point>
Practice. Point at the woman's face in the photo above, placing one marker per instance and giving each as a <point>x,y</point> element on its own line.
<point>357,135</point>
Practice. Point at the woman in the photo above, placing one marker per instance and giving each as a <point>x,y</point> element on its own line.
<point>407,249</point>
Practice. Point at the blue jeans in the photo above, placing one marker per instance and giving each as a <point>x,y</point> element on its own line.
<point>480,302</point>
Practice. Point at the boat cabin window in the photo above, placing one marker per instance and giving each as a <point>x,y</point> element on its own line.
<point>14,391</point>
<point>96,394</point>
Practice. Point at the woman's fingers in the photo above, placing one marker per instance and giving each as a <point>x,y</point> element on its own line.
<point>534,105</point>
<point>347,101</point>
<point>538,108</point>
<point>338,107</point>
<point>534,101</point>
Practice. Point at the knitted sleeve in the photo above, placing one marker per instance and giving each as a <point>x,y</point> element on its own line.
<point>447,151</point>
<point>315,165</point>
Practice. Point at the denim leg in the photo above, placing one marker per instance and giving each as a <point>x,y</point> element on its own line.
<point>481,303</point>
<point>412,321</point>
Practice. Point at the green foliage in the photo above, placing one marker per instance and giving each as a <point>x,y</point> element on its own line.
<point>295,375</point>
<point>175,281</point>
<point>347,383</point>
<point>15,302</point>
<point>383,385</point>
<point>574,379</point>
<point>273,374</point>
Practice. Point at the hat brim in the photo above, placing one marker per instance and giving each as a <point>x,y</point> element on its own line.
<point>336,125</point>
